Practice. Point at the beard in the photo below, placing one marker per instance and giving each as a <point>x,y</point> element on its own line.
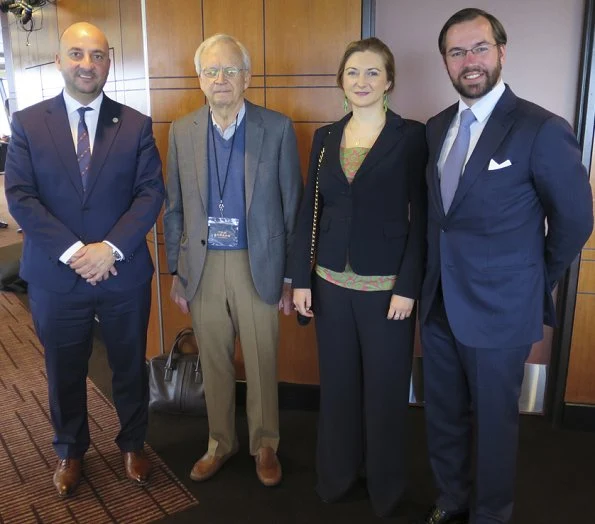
<point>489,80</point>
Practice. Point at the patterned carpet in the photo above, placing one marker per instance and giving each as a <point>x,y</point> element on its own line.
<point>27,459</point>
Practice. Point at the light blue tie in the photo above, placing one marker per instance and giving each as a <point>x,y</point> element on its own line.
<point>455,161</point>
<point>83,146</point>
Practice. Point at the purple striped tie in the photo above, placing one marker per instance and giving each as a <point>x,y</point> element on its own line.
<point>455,161</point>
<point>83,146</point>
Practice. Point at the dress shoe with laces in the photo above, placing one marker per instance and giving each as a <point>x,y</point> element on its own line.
<point>67,476</point>
<point>3,225</point>
<point>137,466</point>
<point>268,468</point>
<point>208,465</point>
<point>437,515</point>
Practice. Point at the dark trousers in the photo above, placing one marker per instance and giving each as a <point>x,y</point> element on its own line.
<point>64,325</point>
<point>365,369</point>
<point>470,389</point>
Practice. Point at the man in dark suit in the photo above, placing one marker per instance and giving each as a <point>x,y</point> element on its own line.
<point>233,189</point>
<point>498,168</point>
<point>83,179</point>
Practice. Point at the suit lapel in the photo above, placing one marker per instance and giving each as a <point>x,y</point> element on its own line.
<point>108,125</point>
<point>59,130</point>
<point>439,131</point>
<point>200,143</point>
<point>497,127</point>
<point>332,147</point>
<point>254,140</point>
<point>387,139</point>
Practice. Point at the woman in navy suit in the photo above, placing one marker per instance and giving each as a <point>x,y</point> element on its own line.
<point>370,250</point>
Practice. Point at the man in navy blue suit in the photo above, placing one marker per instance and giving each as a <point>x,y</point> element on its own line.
<point>499,168</point>
<point>83,179</point>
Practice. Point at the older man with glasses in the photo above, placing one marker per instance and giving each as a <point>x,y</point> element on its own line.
<point>233,189</point>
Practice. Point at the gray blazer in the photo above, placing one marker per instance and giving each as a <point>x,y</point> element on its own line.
<point>273,187</point>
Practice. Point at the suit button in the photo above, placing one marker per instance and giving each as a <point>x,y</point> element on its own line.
<point>444,230</point>
<point>203,242</point>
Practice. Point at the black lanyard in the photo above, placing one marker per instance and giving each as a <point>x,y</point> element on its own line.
<point>233,139</point>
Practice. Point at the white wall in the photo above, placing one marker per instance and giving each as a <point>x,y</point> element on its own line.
<point>543,52</point>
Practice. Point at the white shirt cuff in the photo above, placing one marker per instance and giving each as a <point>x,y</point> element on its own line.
<point>287,280</point>
<point>71,251</point>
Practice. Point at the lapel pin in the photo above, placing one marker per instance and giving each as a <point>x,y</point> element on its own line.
<point>115,120</point>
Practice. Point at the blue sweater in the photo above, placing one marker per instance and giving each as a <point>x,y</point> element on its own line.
<point>234,195</point>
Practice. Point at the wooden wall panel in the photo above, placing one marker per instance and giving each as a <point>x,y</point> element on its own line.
<point>174,31</point>
<point>304,132</point>
<point>168,105</point>
<point>586,279</point>
<point>308,104</point>
<point>309,37</point>
<point>580,383</point>
<point>242,19</point>
<point>580,386</point>
<point>131,37</point>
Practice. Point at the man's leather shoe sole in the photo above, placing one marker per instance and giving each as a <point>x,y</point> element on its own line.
<point>208,465</point>
<point>67,476</point>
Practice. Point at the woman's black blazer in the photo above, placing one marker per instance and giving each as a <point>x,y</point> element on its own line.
<point>378,222</point>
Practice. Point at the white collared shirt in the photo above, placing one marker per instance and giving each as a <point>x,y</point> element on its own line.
<point>482,109</point>
<point>231,129</point>
<point>91,119</point>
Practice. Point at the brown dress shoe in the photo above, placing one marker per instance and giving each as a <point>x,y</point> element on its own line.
<point>268,468</point>
<point>208,465</point>
<point>137,466</point>
<point>67,476</point>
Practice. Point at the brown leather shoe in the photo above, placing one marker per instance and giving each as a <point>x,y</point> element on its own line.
<point>268,468</point>
<point>137,466</point>
<point>208,465</point>
<point>67,476</point>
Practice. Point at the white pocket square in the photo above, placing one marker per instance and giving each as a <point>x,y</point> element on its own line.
<point>494,165</point>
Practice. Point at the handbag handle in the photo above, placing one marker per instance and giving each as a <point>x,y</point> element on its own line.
<point>315,213</point>
<point>170,365</point>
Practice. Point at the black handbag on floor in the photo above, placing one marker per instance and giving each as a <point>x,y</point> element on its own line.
<point>175,381</point>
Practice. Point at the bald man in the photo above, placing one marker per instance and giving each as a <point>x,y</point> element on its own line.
<point>83,179</point>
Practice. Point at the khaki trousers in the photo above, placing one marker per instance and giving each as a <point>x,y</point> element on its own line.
<point>227,305</point>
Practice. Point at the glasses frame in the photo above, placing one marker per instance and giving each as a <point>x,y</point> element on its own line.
<point>477,50</point>
<point>224,70</point>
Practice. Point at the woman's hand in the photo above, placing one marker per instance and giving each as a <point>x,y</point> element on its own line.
<point>302,300</point>
<point>400,307</point>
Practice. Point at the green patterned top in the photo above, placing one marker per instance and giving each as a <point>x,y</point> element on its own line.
<point>351,160</point>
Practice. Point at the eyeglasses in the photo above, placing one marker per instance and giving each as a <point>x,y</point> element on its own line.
<point>479,50</point>
<point>228,72</point>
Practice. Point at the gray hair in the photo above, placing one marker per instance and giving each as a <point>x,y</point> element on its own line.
<point>212,40</point>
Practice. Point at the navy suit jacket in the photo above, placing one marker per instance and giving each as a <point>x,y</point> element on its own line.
<point>492,252</point>
<point>378,222</point>
<point>45,194</point>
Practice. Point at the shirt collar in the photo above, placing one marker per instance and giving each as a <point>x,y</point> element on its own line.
<point>229,130</point>
<point>483,108</point>
<point>73,105</point>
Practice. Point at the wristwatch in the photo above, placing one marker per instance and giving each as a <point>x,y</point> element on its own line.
<point>117,255</point>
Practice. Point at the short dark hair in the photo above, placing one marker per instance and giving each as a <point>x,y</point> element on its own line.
<point>376,46</point>
<point>466,15</point>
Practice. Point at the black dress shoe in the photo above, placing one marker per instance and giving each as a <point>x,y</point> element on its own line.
<point>3,224</point>
<point>437,515</point>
